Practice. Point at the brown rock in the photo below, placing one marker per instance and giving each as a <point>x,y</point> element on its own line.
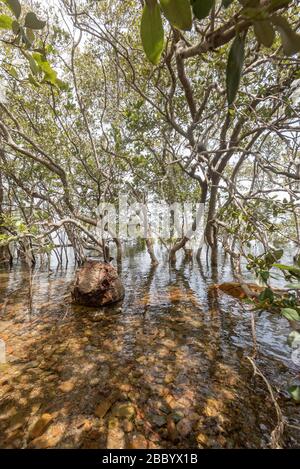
<point>67,386</point>
<point>128,426</point>
<point>125,387</point>
<point>171,427</point>
<point>124,410</point>
<point>202,440</point>
<point>40,426</point>
<point>18,420</point>
<point>169,378</point>
<point>95,381</point>
<point>115,435</point>
<point>103,408</point>
<point>138,441</point>
<point>49,439</point>
<point>184,427</point>
<point>213,407</point>
<point>105,405</point>
<point>97,284</point>
<point>41,442</point>
<point>85,425</point>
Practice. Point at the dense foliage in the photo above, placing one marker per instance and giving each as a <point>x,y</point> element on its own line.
<point>85,117</point>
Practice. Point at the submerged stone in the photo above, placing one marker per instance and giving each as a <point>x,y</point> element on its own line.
<point>124,410</point>
<point>97,284</point>
<point>115,436</point>
<point>138,441</point>
<point>158,420</point>
<point>40,426</point>
<point>104,406</point>
<point>184,427</point>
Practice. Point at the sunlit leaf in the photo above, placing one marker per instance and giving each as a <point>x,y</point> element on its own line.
<point>201,8</point>
<point>295,392</point>
<point>290,314</point>
<point>33,65</point>
<point>293,270</point>
<point>234,68</point>
<point>293,286</point>
<point>50,75</point>
<point>152,32</point>
<point>5,22</point>
<point>12,71</point>
<point>178,12</point>
<point>32,22</point>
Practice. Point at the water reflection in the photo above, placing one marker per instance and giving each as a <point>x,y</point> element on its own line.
<point>165,368</point>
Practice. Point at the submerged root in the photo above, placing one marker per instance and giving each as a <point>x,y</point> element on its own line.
<point>277,433</point>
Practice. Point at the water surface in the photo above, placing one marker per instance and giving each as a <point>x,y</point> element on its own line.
<point>165,368</point>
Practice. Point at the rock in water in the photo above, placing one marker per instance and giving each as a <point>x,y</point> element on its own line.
<point>97,284</point>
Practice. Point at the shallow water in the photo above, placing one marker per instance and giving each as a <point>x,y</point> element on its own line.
<point>165,368</point>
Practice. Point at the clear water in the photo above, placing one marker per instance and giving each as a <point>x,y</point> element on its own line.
<point>174,352</point>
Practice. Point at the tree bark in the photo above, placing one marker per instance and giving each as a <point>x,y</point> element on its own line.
<point>150,249</point>
<point>210,230</point>
<point>182,242</point>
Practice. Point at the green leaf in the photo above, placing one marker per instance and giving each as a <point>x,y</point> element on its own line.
<point>250,3</point>
<point>30,35</point>
<point>226,3</point>
<point>293,270</point>
<point>264,32</point>
<point>289,39</point>
<point>50,75</point>
<point>178,12</point>
<point>152,32</point>
<point>14,6</point>
<point>25,39</point>
<point>266,294</point>
<point>295,392</point>
<point>33,65</point>
<point>293,286</point>
<point>278,253</point>
<point>201,8</point>
<point>32,22</point>
<point>234,68</point>
<point>272,256</point>
<point>39,57</point>
<point>33,81</point>
<point>16,28</point>
<point>62,85</point>
<point>13,72</point>
<point>279,3</point>
<point>264,275</point>
<point>290,314</point>
<point>5,22</point>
